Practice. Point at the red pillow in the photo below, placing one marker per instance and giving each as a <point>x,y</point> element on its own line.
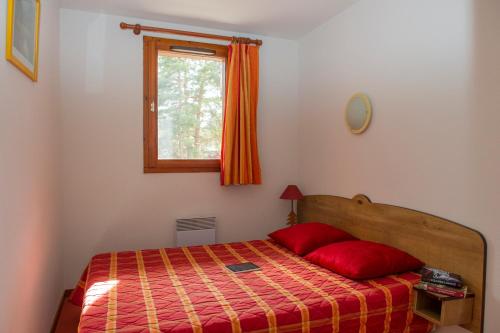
<point>306,237</point>
<point>363,259</point>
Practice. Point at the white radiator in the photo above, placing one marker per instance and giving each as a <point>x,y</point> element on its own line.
<point>196,231</point>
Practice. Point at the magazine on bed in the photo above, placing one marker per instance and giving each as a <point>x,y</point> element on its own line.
<point>243,267</point>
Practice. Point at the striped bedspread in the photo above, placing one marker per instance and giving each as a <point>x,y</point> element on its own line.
<point>183,290</point>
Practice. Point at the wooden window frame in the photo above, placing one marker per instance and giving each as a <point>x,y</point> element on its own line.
<point>152,46</point>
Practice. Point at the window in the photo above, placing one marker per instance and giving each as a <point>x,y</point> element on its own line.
<point>184,85</point>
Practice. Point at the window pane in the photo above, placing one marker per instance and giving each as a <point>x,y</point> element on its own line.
<point>190,100</point>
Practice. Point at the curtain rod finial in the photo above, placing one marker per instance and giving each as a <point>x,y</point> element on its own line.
<point>123,25</point>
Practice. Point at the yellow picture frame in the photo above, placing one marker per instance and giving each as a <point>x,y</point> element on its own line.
<point>23,29</point>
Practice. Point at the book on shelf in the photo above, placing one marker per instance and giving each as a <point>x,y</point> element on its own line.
<point>441,277</point>
<point>443,290</point>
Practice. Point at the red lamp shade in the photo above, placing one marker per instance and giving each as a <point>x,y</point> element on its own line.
<point>292,192</point>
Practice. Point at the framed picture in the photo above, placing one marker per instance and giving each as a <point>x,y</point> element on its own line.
<point>23,25</point>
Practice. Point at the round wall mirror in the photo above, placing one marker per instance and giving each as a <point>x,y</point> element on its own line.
<point>358,113</point>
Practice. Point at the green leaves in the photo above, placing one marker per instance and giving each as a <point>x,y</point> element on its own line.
<point>190,102</point>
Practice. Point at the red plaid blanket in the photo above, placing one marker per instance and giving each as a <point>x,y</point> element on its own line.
<point>189,289</point>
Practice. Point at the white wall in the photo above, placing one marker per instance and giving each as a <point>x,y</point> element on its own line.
<point>30,283</point>
<point>431,69</point>
<point>109,204</point>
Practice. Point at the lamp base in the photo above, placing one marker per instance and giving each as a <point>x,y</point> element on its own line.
<point>292,218</point>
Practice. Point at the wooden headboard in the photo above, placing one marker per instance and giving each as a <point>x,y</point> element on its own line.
<point>438,242</point>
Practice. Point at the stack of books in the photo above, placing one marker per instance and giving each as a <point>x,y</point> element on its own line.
<point>441,282</point>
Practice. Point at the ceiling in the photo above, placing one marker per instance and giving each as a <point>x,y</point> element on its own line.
<point>278,18</point>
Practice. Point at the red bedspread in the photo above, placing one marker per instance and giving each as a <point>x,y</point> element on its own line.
<point>189,290</point>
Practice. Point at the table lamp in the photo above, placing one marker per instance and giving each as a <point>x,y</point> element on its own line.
<point>292,193</point>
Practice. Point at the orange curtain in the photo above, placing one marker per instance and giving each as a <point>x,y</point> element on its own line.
<point>239,156</point>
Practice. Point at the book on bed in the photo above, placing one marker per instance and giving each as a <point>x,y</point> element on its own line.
<point>243,267</point>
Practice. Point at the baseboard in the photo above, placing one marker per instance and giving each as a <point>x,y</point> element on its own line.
<point>65,295</point>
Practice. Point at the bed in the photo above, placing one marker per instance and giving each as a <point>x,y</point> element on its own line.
<point>189,289</point>
<point>180,290</point>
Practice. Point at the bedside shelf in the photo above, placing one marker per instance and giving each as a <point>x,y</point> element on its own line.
<point>443,310</point>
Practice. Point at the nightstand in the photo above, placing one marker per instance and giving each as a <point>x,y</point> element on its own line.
<point>443,310</point>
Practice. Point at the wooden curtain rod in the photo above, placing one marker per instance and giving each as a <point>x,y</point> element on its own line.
<point>137,29</point>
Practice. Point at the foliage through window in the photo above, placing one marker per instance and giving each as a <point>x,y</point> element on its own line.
<point>190,100</point>
<point>184,98</point>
